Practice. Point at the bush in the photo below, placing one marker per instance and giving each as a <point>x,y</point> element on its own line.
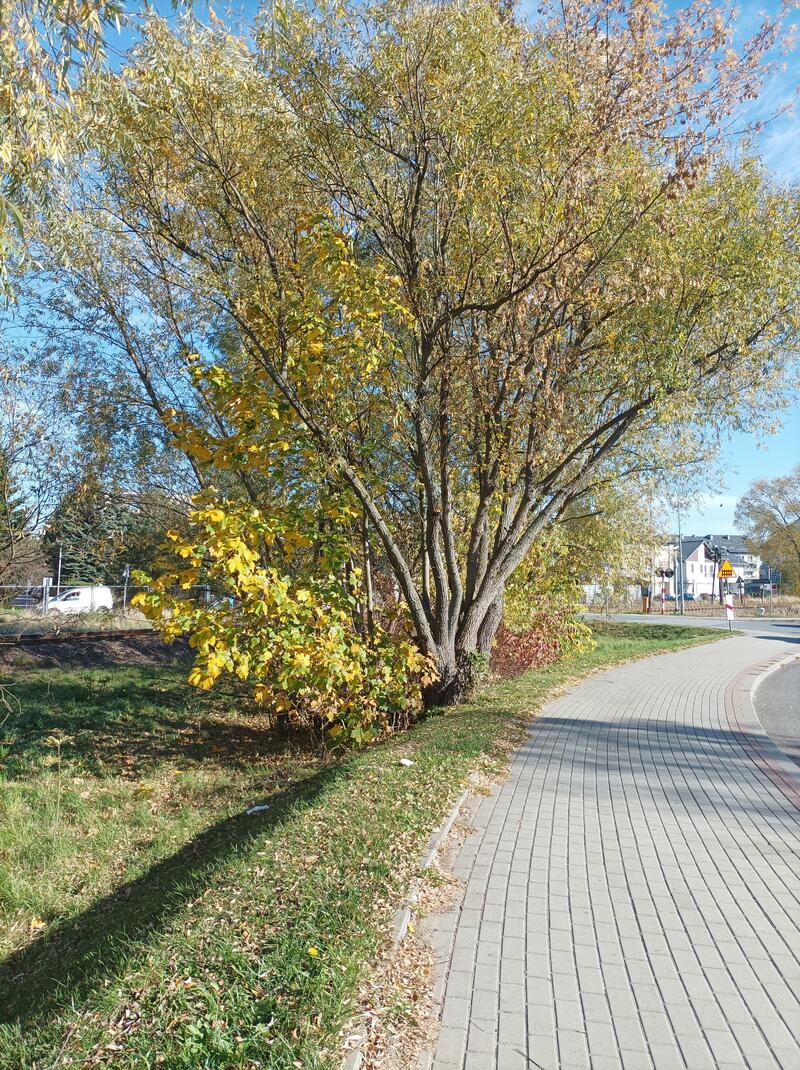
<point>551,630</point>
<point>290,634</point>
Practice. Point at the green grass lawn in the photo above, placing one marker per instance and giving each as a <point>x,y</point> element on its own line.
<point>146,921</point>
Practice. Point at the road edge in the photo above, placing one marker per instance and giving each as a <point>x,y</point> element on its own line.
<point>761,748</point>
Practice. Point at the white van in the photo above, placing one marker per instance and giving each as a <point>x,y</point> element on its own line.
<point>81,600</point>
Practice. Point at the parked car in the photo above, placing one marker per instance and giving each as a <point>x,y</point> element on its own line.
<point>82,600</point>
<point>689,597</point>
<point>29,598</point>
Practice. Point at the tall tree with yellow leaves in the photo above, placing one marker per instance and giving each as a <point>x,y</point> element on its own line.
<point>466,267</point>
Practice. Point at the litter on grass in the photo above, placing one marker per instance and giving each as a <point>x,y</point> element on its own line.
<point>257,809</point>
<point>406,761</point>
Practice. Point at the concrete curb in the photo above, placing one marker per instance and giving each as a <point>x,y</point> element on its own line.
<point>403,916</point>
<point>781,663</point>
<point>762,748</point>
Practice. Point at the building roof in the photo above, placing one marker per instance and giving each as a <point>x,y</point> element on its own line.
<point>736,544</point>
<point>689,544</point>
<point>734,547</point>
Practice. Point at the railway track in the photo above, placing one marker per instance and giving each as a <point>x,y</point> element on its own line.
<point>71,637</point>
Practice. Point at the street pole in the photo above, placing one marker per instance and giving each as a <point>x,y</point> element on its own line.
<point>125,573</point>
<point>58,574</point>
<point>680,560</point>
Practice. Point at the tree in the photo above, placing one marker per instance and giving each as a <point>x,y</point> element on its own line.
<point>19,548</point>
<point>95,532</point>
<point>44,45</point>
<point>30,451</point>
<point>85,532</point>
<point>466,269</point>
<point>769,515</point>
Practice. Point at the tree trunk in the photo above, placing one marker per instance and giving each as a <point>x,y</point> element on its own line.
<point>456,682</point>
<point>488,629</point>
<point>462,670</point>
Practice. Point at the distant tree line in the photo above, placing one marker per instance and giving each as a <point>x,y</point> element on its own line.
<point>769,516</point>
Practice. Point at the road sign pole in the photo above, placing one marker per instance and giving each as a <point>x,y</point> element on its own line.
<point>47,582</point>
<point>729,610</point>
<point>681,565</point>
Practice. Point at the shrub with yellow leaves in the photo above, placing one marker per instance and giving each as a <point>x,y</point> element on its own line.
<point>290,633</point>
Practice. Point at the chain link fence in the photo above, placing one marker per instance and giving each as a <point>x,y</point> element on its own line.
<point>50,608</point>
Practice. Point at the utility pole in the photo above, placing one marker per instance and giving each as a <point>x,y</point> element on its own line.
<point>680,560</point>
<point>58,573</point>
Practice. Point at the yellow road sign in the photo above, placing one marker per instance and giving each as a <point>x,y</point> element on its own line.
<point>726,570</point>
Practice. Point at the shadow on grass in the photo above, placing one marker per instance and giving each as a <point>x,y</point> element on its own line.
<point>132,721</point>
<point>64,966</point>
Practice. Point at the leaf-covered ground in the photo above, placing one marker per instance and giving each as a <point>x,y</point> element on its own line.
<point>147,921</point>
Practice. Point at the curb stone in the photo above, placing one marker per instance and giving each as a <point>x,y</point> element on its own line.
<point>403,916</point>
<point>712,739</point>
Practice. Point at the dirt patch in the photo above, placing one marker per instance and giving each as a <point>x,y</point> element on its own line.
<point>96,652</point>
<point>398,1017</point>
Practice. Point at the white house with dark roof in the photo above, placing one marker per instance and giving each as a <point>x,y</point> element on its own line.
<point>697,560</point>
<point>694,564</point>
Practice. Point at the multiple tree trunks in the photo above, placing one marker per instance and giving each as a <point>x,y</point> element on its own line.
<point>430,279</point>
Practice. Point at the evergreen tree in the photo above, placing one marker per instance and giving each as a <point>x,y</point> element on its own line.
<point>87,528</point>
<point>98,531</point>
<point>18,545</point>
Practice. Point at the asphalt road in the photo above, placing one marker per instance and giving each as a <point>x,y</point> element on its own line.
<point>777,703</point>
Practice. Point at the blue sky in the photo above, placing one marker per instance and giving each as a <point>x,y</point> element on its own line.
<point>745,458</point>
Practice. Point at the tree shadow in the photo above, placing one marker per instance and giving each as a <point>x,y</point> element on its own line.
<point>63,966</point>
<point>130,723</point>
<point>633,752</point>
<point>779,638</point>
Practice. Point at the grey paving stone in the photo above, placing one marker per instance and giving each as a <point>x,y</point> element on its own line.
<point>666,1057</point>
<point>602,1040</point>
<point>481,1038</point>
<point>459,984</point>
<point>456,1013</point>
<point>573,1050</point>
<point>512,1057</point>
<point>633,883</point>
<point>723,1045</point>
<point>451,1045</point>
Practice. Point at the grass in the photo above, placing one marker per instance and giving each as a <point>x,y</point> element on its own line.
<point>148,922</point>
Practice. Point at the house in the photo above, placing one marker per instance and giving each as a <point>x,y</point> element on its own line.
<point>695,564</point>
<point>694,567</point>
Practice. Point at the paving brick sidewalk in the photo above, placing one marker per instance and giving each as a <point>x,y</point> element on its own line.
<point>633,889</point>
